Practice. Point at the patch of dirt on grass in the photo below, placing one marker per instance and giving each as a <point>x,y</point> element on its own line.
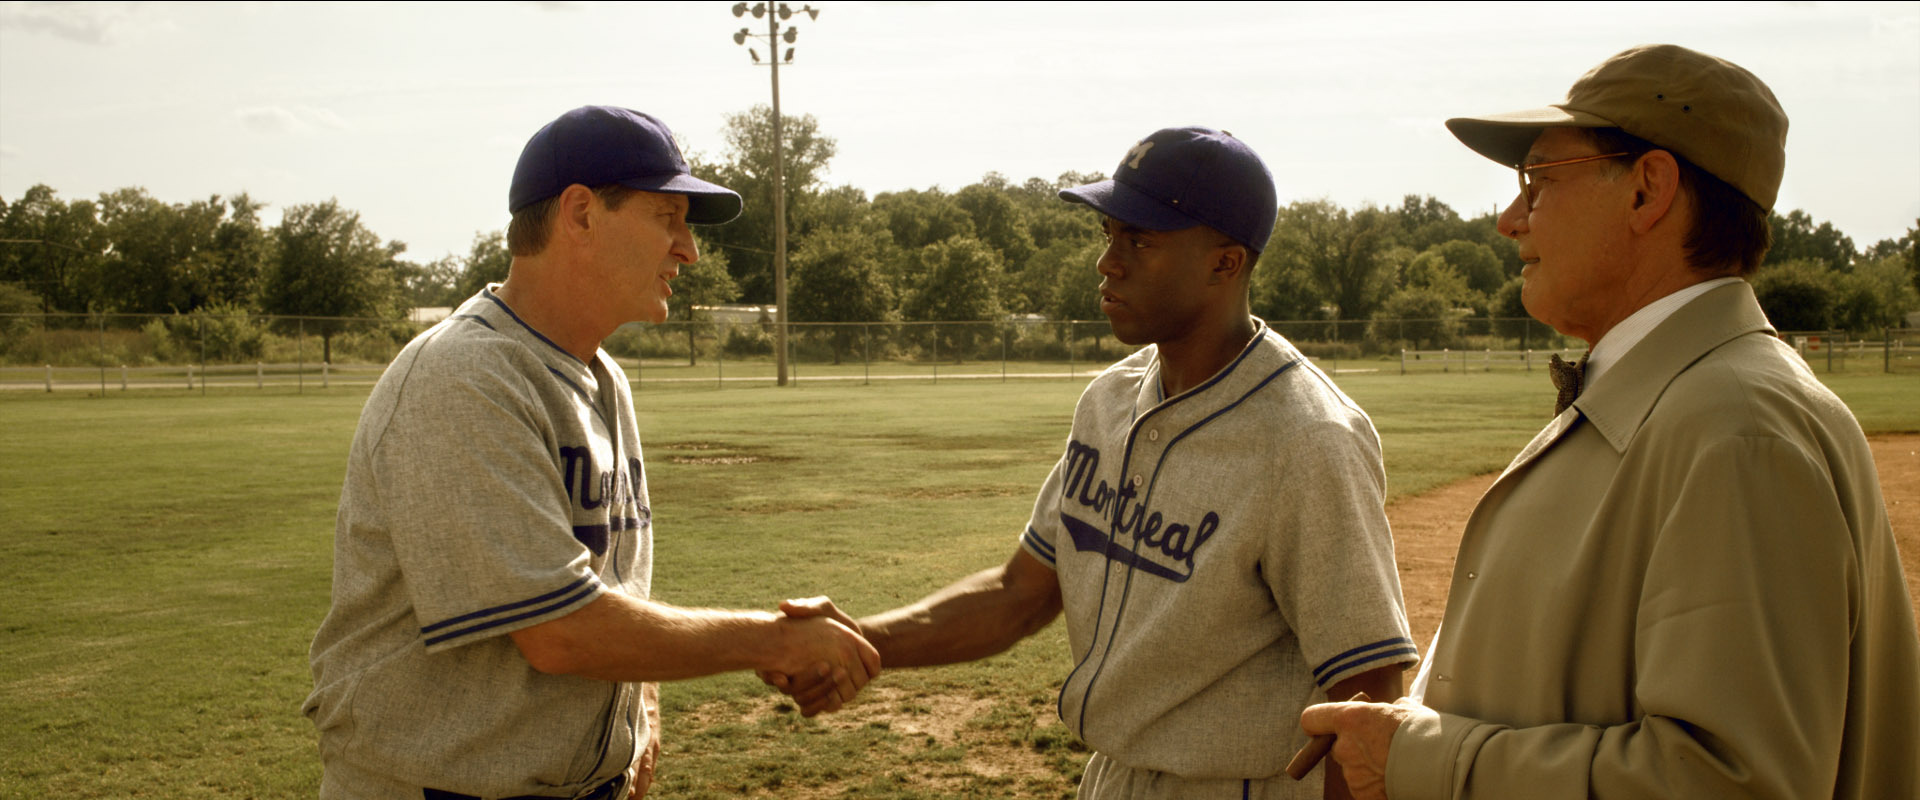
<point>948,740</point>
<point>723,455</point>
<point>795,506</point>
<point>959,492</point>
<point>941,715</point>
<point>716,460</point>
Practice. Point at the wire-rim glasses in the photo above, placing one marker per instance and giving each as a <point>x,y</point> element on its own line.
<point>1527,188</point>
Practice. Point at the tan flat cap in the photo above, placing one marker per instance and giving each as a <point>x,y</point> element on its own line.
<point>1710,111</point>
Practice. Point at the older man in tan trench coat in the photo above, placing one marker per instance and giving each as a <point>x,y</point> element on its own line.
<point>1686,585</point>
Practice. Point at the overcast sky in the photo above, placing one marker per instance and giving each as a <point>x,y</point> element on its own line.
<point>413,115</point>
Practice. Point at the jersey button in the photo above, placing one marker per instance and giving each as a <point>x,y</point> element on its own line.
<point>1472,575</point>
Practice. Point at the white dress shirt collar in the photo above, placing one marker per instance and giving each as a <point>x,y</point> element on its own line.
<point>1621,340</point>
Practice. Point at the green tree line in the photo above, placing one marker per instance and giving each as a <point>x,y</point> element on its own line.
<point>983,252</point>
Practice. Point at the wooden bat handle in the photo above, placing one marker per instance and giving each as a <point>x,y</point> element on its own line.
<point>1318,747</point>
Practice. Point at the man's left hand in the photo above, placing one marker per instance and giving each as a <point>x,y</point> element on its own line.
<point>1365,732</point>
<point>640,775</point>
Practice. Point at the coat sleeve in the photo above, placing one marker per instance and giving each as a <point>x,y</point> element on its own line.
<point>1740,654</point>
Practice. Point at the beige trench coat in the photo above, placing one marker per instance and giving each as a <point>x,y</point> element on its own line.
<point>1687,589</point>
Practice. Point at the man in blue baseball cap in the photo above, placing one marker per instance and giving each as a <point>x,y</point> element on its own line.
<point>1215,531</point>
<point>491,633</point>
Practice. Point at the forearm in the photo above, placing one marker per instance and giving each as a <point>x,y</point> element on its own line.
<point>622,638</point>
<point>1384,685</point>
<point>975,617</point>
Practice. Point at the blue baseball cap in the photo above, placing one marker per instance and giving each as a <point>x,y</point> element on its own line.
<point>1181,177</point>
<point>600,145</point>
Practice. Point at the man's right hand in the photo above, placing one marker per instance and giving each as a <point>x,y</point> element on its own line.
<point>817,688</point>
<point>973,618</point>
<point>827,662</point>
<point>1365,732</point>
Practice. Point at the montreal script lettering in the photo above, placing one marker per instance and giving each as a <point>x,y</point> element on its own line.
<point>590,490</point>
<point>1146,529</point>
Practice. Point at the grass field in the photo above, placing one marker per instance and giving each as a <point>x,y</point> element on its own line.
<point>167,554</point>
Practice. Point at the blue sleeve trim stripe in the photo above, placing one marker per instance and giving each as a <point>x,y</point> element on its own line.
<point>515,618</point>
<point>1343,668</point>
<point>1039,545</point>
<point>501,609</point>
<point>1394,654</point>
<point>1342,660</point>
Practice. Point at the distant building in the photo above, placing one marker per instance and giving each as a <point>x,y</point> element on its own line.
<point>428,315</point>
<point>737,313</point>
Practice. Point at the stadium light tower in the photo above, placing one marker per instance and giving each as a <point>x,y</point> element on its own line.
<point>776,13</point>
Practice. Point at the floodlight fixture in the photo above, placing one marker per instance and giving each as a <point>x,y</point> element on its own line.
<point>775,13</point>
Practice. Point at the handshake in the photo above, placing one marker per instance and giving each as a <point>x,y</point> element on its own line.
<point>827,659</point>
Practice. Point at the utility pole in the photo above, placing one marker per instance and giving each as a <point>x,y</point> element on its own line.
<point>775,14</point>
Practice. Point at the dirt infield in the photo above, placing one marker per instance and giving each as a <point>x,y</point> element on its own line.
<point>1426,530</point>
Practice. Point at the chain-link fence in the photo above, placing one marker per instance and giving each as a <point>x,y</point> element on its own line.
<point>1896,350</point>
<point>109,352</point>
<point>719,353</point>
<point>1900,351</point>
<point>202,352</point>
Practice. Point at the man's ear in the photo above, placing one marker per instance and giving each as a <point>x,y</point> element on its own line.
<point>1229,261</point>
<point>1656,184</point>
<point>575,213</point>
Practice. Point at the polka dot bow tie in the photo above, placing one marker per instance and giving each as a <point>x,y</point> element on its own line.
<point>1567,376</point>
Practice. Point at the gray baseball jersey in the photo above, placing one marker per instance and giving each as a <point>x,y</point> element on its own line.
<point>1224,559</point>
<point>494,483</point>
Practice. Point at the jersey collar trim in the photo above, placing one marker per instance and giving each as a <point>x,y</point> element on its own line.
<point>578,376</point>
<point>1152,395</point>
<point>488,293</point>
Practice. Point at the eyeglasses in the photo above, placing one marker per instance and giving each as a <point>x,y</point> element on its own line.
<point>1531,192</point>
